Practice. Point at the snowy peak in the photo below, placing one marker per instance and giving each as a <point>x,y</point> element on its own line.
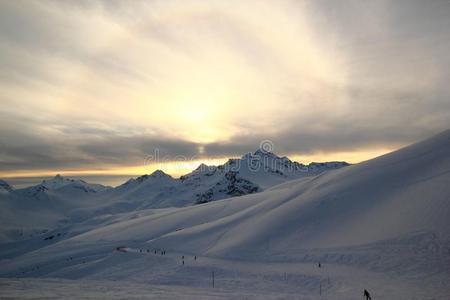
<point>264,153</point>
<point>160,174</point>
<point>157,176</point>
<point>204,167</point>
<point>266,164</point>
<point>253,172</point>
<point>260,154</point>
<point>57,182</point>
<point>5,187</point>
<point>201,170</point>
<point>62,183</point>
<point>58,187</point>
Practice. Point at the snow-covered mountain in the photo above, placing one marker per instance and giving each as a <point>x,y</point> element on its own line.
<point>252,173</point>
<point>382,224</point>
<point>5,187</point>
<point>63,184</point>
<point>60,187</point>
<point>41,206</point>
<point>392,196</point>
<point>62,198</point>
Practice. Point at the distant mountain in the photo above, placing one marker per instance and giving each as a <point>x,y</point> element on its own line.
<point>42,205</point>
<point>5,187</point>
<point>61,186</point>
<point>65,198</point>
<point>141,192</point>
<point>253,172</point>
<point>58,182</point>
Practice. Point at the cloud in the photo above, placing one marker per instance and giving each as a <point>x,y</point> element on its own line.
<point>27,148</point>
<point>103,83</point>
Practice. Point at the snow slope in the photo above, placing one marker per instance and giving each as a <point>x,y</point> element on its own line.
<point>382,224</point>
<point>27,211</point>
<point>394,195</point>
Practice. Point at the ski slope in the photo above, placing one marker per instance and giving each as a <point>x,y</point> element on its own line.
<point>382,225</point>
<point>391,196</point>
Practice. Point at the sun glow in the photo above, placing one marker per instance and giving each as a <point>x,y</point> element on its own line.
<point>352,157</point>
<point>182,167</point>
<point>192,109</point>
<point>186,74</point>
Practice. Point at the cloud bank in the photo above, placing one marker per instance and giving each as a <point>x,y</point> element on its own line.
<point>102,84</point>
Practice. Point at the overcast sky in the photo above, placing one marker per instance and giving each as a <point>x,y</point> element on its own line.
<point>99,85</point>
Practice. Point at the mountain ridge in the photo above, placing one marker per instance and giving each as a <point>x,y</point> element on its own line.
<point>76,200</point>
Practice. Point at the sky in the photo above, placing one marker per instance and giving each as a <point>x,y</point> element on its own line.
<point>125,87</point>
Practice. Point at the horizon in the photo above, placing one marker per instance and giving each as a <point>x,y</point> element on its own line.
<point>182,168</point>
<point>176,169</point>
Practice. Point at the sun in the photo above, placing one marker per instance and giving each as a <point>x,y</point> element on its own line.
<point>197,109</point>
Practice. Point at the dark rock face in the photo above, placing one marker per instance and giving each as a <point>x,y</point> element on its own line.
<point>4,186</point>
<point>231,185</point>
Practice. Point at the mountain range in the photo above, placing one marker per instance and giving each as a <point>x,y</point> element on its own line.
<point>380,225</point>
<point>75,199</point>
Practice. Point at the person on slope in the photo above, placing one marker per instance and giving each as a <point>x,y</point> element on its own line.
<point>367,295</point>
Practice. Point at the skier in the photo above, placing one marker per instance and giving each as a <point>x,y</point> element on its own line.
<point>320,264</point>
<point>195,257</point>
<point>367,295</point>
